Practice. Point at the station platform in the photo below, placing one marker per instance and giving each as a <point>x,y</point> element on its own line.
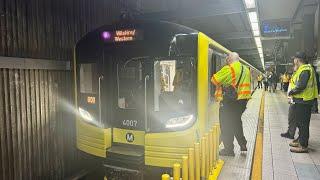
<point>276,159</point>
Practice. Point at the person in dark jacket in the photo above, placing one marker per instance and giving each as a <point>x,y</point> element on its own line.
<point>303,92</point>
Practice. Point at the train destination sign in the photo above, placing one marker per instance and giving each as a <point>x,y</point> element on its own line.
<point>122,35</point>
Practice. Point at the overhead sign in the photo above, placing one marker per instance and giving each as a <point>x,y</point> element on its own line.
<point>122,35</point>
<point>274,28</point>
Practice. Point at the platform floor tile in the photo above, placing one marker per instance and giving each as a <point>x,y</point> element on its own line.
<point>278,161</point>
<point>239,167</point>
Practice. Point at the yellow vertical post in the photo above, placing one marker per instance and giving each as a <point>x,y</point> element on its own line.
<point>207,154</point>
<point>197,157</point>
<point>191,163</point>
<point>218,140</point>
<point>210,149</point>
<point>176,171</point>
<point>165,177</point>
<point>203,155</point>
<point>185,167</point>
<point>215,146</point>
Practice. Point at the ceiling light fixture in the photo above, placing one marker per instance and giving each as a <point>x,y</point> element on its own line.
<point>253,17</point>
<point>254,23</point>
<point>250,4</point>
<point>256,33</point>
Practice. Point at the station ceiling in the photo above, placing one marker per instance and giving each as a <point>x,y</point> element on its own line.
<point>227,22</point>
<point>50,32</point>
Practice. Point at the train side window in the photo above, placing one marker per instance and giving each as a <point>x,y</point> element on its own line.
<point>88,78</point>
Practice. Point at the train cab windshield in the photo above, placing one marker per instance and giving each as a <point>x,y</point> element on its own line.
<point>164,86</point>
<point>174,92</point>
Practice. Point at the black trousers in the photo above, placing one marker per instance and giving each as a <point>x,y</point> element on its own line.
<point>292,122</point>
<point>315,106</point>
<point>302,114</point>
<point>285,86</point>
<point>259,84</point>
<point>230,121</point>
<point>266,86</point>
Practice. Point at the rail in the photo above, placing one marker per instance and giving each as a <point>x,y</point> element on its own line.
<point>203,160</point>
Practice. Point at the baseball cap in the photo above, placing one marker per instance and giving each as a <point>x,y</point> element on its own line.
<point>301,55</point>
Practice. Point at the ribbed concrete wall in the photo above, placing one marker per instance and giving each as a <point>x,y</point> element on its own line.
<point>48,29</point>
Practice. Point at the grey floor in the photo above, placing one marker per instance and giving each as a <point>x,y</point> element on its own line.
<point>278,161</point>
<point>239,167</point>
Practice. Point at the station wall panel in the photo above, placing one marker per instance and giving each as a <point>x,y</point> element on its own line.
<point>49,29</point>
<point>37,130</point>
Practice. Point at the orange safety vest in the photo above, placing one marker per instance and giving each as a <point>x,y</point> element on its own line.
<point>229,75</point>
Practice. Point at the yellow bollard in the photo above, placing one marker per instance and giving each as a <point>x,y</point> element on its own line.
<point>197,159</point>
<point>210,149</point>
<point>191,163</point>
<point>207,154</point>
<point>203,157</point>
<point>176,171</point>
<point>218,132</point>
<point>185,167</point>
<point>215,146</point>
<point>165,177</point>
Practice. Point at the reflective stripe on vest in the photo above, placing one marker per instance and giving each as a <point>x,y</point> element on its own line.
<point>244,88</point>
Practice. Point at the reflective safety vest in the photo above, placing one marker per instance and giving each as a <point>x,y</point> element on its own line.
<point>229,76</point>
<point>285,78</point>
<point>259,77</point>
<point>311,91</point>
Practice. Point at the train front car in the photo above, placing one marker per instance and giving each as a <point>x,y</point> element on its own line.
<point>136,92</point>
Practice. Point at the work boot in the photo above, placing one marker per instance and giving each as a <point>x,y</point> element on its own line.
<point>226,152</point>
<point>294,144</point>
<point>287,135</point>
<point>299,149</point>
<point>243,147</point>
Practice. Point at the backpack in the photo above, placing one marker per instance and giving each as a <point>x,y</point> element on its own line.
<point>230,93</point>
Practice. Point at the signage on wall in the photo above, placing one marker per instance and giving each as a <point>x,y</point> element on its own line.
<point>122,35</point>
<point>274,28</point>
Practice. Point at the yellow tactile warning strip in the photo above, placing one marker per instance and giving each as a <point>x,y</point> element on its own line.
<point>256,170</point>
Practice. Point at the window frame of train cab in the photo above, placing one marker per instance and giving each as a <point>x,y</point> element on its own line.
<point>193,92</point>
<point>214,65</point>
<point>85,76</point>
<point>120,78</point>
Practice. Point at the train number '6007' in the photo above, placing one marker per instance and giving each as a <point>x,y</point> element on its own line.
<point>131,123</point>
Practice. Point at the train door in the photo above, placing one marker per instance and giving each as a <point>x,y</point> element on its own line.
<point>127,80</point>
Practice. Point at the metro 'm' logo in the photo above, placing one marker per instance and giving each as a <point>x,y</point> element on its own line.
<point>129,137</point>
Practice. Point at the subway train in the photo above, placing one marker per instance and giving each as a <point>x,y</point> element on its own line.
<point>143,94</point>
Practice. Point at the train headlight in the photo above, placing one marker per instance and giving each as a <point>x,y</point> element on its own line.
<point>85,115</point>
<point>179,121</point>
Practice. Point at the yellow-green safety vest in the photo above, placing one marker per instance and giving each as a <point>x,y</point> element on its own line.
<point>311,91</point>
<point>229,75</point>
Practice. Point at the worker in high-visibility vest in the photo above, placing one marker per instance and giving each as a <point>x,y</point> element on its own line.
<point>292,124</point>
<point>285,81</point>
<point>303,92</point>
<point>233,91</point>
<point>259,78</point>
